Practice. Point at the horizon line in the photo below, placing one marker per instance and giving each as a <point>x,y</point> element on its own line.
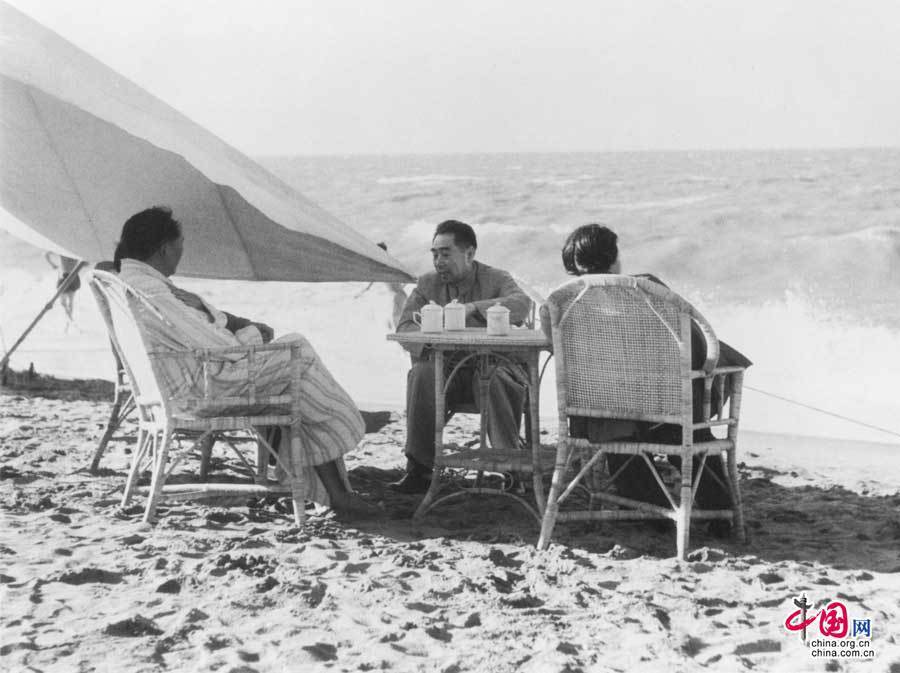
<point>708,150</point>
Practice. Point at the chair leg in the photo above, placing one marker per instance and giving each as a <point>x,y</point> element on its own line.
<point>262,464</point>
<point>296,478</point>
<point>162,441</point>
<point>683,515</point>
<point>137,460</point>
<point>299,503</point>
<point>551,511</point>
<point>206,446</point>
<point>548,522</point>
<point>740,532</point>
<point>430,496</point>
<point>111,426</point>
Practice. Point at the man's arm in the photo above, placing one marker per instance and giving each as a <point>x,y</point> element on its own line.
<point>193,326</point>
<point>545,321</point>
<point>234,323</point>
<point>511,296</point>
<point>414,302</point>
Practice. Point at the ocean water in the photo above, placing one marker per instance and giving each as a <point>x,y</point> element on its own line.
<point>793,256</point>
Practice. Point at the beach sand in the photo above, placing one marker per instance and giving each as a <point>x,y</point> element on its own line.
<point>86,587</point>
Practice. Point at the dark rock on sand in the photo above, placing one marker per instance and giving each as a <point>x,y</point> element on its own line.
<point>498,558</point>
<point>90,576</point>
<point>12,647</point>
<point>171,586</point>
<point>692,646</point>
<point>757,646</point>
<point>133,627</point>
<point>770,578</point>
<point>322,651</point>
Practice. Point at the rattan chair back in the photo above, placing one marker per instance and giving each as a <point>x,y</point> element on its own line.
<point>623,348</point>
<point>124,312</point>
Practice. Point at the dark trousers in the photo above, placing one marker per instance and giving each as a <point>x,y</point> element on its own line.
<point>505,399</point>
<point>636,481</point>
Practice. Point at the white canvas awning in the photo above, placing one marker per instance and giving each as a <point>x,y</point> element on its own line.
<point>83,148</point>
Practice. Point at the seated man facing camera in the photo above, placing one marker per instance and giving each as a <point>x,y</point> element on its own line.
<point>478,286</point>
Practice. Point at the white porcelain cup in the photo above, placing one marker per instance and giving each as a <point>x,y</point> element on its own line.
<point>430,318</point>
<point>498,320</point>
<point>454,316</point>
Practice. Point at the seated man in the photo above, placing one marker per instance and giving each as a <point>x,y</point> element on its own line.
<point>593,249</point>
<point>330,425</point>
<point>458,276</point>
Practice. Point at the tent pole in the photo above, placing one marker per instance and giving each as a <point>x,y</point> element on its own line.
<point>62,288</point>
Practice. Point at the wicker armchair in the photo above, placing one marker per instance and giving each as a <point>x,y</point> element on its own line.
<point>123,397</point>
<point>198,414</point>
<point>622,349</point>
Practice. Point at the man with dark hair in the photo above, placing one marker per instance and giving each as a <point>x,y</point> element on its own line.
<point>329,426</point>
<point>593,249</point>
<point>458,276</point>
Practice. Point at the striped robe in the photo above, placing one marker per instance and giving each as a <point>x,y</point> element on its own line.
<point>330,424</point>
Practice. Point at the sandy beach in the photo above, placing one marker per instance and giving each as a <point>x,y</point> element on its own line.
<point>86,587</point>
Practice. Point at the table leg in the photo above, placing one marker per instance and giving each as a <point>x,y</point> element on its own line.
<point>440,401</point>
<point>484,371</point>
<point>534,406</point>
<point>439,411</point>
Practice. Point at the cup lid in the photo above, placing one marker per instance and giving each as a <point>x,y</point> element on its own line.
<point>498,308</point>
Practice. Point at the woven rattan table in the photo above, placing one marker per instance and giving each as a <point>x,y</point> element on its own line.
<point>520,350</point>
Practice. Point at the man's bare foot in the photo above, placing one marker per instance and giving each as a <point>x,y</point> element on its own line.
<point>350,505</point>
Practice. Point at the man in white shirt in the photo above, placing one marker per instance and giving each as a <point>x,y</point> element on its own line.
<point>330,425</point>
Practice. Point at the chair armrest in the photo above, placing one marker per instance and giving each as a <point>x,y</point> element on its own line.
<point>712,343</point>
<point>212,353</point>
<point>728,382</point>
<point>202,362</point>
<point>727,370</point>
<point>717,371</point>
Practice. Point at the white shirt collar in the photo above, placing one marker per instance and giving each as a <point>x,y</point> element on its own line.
<point>143,267</point>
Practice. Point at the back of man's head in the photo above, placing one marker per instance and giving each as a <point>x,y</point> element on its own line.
<point>144,233</point>
<point>463,234</point>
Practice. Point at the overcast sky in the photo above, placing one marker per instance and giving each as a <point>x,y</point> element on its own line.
<point>396,76</point>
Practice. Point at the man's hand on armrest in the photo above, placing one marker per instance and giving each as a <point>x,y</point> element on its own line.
<point>235,323</point>
<point>265,331</point>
